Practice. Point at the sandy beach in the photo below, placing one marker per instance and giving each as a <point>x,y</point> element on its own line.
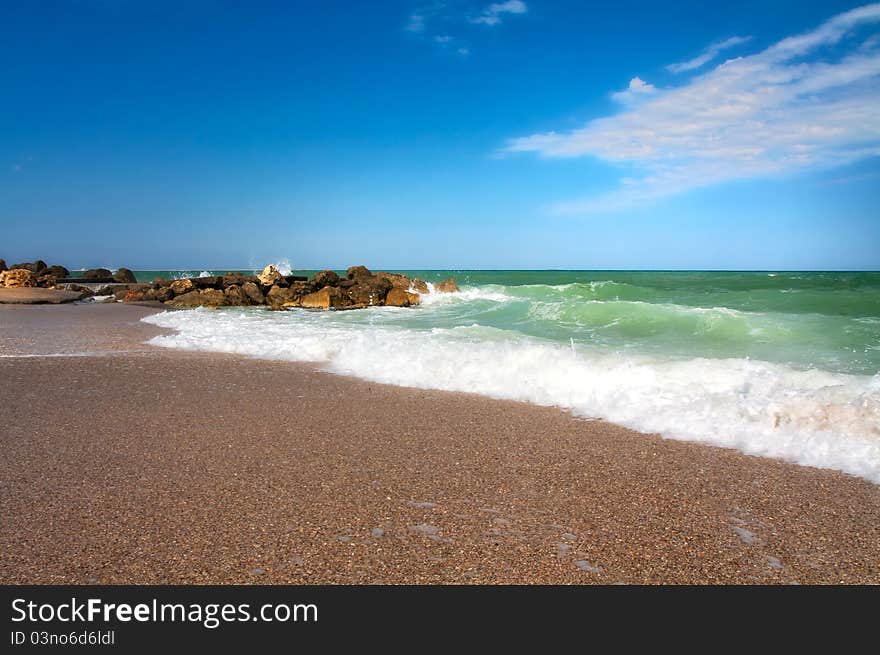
<point>128,463</point>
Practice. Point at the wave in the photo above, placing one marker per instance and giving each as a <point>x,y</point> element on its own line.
<point>811,417</point>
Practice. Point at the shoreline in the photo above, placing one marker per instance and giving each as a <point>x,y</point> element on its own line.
<point>129,463</point>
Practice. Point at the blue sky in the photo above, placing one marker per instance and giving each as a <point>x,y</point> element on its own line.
<point>516,134</point>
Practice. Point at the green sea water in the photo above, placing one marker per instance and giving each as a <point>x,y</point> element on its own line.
<point>825,320</point>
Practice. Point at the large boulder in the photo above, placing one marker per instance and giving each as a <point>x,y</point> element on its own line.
<point>34,267</point>
<point>369,291</point>
<point>98,273</point>
<point>283,297</point>
<point>399,297</point>
<point>203,298</point>
<point>270,276</point>
<point>446,286</point>
<point>16,278</point>
<point>3,266</point>
<point>55,271</point>
<point>253,292</point>
<point>405,282</point>
<point>180,287</point>
<point>356,272</point>
<point>236,296</point>
<point>124,276</point>
<point>237,279</point>
<point>164,293</point>
<point>207,282</point>
<point>325,279</point>
<point>325,299</point>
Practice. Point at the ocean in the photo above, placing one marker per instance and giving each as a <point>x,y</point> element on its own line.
<point>775,364</point>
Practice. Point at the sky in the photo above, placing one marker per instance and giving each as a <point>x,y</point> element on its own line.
<point>457,134</point>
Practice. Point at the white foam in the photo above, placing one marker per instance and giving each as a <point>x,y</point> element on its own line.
<point>814,418</point>
<point>488,292</point>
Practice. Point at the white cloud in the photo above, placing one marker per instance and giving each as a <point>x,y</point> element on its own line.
<point>493,14</point>
<point>637,90</point>
<point>768,114</point>
<point>707,55</point>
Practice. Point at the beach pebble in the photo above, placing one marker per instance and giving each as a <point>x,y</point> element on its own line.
<point>775,563</point>
<point>422,505</point>
<point>584,565</point>
<point>377,532</point>
<point>257,571</point>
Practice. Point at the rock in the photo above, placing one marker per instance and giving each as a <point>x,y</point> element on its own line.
<point>237,279</point>
<point>253,292</point>
<point>164,294</point>
<point>98,274</point>
<point>85,291</point>
<point>203,298</point>
<point>356,272</point>
<point>207,282</point>
<point>398,297</point>
<point>325,279</point>
<point>3,265</point>
<point>325,299</point>
<point>282,297</point>
<point>55,271</point>
<point>405,282</point>
<point>135,296</point>
<point>17,278</point>
<point>34,267</point>
<point>446,286</point>
<point>236,296</point>
<point>180,287</point>
<point>369,291</point>
<point>290,279</point>
<point>270,276</point>
<point>123,275</point>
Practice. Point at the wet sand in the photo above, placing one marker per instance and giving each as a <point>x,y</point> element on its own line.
<point>126,463</point>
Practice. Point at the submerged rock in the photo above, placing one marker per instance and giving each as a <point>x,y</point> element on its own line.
<point>446,286</point>
<point>398,297</point>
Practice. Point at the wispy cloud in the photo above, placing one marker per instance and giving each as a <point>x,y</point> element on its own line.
<point>494,13</point>
<point>441,22</point>
<point>712,51</point>
<point>781,111</point>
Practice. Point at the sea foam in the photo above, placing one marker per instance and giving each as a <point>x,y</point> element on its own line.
<point>811,417</point>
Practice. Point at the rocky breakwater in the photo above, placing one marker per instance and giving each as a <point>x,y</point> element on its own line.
<point>358,289</point>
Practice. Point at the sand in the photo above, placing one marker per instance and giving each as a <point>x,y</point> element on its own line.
<point>127,463</point>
